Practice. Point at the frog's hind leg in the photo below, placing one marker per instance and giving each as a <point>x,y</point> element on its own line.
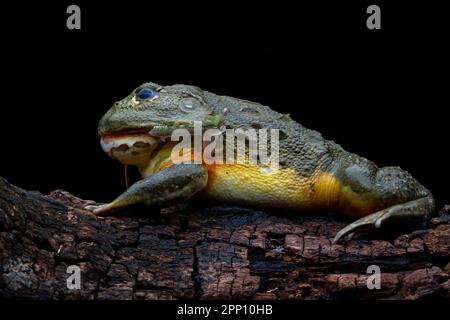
<point>402,199</point>
<point>415,211</point>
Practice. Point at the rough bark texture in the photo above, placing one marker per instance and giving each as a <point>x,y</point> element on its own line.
<point>207,253</point>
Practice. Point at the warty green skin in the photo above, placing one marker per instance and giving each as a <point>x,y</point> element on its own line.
<point>398,195</point>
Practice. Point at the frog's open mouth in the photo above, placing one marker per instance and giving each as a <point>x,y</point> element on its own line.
<point>156,131</point>
<point>132,147</point>
<point>135,146</point>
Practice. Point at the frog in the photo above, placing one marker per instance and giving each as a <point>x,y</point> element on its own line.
<point>314,174</point>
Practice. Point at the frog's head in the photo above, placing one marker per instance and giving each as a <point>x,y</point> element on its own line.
<point>136,125</point>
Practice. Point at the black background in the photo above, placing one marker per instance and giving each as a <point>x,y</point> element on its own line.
<point>380,93</point>
<point>282,309</point>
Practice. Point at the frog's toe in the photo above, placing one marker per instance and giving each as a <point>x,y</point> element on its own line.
<point>98,209</point>
<point>360,225</point>
<point>93,207</point>
<point>415,212</point>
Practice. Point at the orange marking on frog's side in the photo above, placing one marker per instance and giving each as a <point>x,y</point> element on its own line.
<point>334,196</point>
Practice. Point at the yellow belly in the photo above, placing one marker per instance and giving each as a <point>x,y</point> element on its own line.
<point>285,188</point>
<point>247,184</point>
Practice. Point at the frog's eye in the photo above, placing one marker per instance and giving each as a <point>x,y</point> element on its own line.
<point>188,104</point>
<point>146,93</point>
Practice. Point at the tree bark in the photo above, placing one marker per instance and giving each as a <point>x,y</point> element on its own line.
<point>207,253</point>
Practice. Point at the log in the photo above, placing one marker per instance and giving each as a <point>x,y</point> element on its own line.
<point>207,252</point>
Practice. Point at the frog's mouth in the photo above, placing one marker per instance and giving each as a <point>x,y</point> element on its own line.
<point>130,147</point>
<point>135,146</point>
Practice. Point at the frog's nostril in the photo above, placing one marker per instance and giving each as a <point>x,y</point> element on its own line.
<point>116,104</point>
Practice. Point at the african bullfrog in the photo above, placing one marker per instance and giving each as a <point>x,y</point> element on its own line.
<point>314,174</point>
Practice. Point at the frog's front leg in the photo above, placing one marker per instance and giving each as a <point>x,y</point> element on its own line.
<point>174,184</point>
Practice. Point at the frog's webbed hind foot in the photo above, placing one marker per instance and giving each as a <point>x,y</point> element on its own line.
<point>414,212</point>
